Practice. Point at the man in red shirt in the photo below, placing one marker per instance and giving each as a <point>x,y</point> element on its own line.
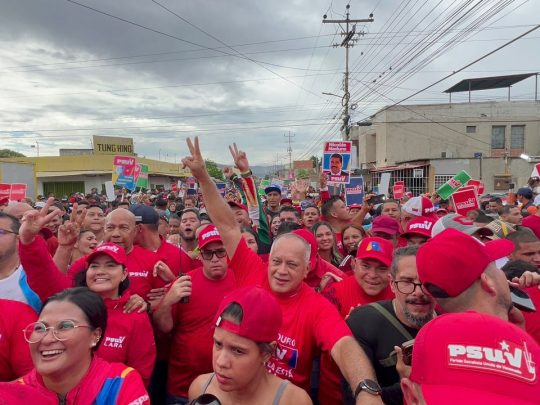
<point>370,281</point>
<point>189,222</point>
<point>533,221</point>
<point>335,212</point>
<point>191,322</point>
<point>310,323</point>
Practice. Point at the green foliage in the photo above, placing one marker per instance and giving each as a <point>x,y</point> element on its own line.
<point>7,153</point>
<point>214,170</point>
<point>316,161</point>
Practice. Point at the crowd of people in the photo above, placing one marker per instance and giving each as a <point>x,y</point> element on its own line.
<point>296,298</point>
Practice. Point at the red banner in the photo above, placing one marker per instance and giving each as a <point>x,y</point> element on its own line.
<point>398,191</point>
<point>478,184</point>
<point>465,201</point>
<point>15,192</point>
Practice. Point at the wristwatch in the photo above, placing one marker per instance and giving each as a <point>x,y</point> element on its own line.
<point>368,385</point>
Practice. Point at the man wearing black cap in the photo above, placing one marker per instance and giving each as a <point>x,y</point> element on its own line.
<point>273,199</point>
<point>525,198</point>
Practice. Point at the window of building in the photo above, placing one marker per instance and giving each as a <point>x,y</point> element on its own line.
<point>471,129</point>
<point>498,136</point>
<point>441,179</point>
<point>517,137</point>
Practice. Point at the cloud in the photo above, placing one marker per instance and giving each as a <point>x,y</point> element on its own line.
<point>68,72</point>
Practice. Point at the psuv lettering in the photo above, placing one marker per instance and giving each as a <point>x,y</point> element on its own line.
<point>211,233</point>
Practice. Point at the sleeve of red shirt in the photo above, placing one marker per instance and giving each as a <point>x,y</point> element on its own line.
<point>328,325</point>
<point>142,355</point>
<point>132,391</point>
<point>324,196</point>
<point>248,267</point>
<point>43,276</point>
<point>21,316</point>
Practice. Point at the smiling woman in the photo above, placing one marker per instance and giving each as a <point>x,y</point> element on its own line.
<point>63,342</point>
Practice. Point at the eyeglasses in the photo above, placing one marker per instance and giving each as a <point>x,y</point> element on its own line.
<point>408,287</point>
<point>35,332</point>
<point>208,254</point>
<point>6,231</point>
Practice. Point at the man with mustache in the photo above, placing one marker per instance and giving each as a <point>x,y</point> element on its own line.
<point>410,310</point>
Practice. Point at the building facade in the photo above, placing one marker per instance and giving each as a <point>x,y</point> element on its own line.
<point>427,144</point>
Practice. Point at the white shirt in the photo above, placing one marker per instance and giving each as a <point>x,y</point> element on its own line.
<point>10,288</point>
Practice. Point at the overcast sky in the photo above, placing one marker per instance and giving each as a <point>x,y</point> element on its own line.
<point>237,71</point>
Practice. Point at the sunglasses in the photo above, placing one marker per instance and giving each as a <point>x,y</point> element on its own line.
<point>208,254</point>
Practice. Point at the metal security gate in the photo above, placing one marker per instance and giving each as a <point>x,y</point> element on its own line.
<point>415,178</point>
<point>63,188</point>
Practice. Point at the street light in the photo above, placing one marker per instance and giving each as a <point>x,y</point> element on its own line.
<point>526,157</point>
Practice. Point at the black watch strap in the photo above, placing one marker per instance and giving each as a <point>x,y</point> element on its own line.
<point>368,385</point>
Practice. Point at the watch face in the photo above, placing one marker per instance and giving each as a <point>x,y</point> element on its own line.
<point>372,386</point>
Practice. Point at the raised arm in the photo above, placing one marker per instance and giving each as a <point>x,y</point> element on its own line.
<point>220,212</point>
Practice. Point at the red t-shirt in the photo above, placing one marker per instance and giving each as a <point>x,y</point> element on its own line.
<point>532,222</point>
<point>348,294</point>
<point>15,358</point>
<point>310,323</point>
<point>322,267</point>
<point>128,339</point>
<point>191,351</point>
<point>174,257</point>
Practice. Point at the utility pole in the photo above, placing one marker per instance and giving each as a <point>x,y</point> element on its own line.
<point>350,38</point>
<point>289,150</point>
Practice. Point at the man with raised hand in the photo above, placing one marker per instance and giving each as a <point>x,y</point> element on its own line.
<point>310,323</point>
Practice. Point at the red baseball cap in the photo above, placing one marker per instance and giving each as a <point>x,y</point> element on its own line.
<point>208,235</point>
<point>385,224</point>
<point>453,260</point>
<point>286,200</point>
<point>261,319</point>
<point>419,206</point>
<point>419,226</point>
<point>377,249</point>
<point>474,358</point>
<point>309,238</point>
<point>238,205</point>
<point>114,251</point>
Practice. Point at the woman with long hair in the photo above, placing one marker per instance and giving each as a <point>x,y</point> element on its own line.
<point>245,337</point>
<point>351,235</point>
<point>326,242</point>
<point>63,344</point>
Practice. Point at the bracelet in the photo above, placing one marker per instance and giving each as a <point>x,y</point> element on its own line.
<point>247,174</point>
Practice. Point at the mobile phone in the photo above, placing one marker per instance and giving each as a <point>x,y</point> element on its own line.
<point>521,300</point>
<point>407,350</point>
<point>377,199</point>
<point>184,300</point>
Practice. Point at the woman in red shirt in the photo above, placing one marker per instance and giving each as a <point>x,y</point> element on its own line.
<point>63,343</point>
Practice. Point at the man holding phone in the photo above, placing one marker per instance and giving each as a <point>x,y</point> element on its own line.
<point>381,326</point>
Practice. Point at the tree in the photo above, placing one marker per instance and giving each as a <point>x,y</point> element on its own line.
<point>316,161</point>
<point>214,170</point>
<point>7,153</point>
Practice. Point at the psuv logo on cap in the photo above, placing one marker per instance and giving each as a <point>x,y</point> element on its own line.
<point>112,248</point>
<point>213,232</point>
<point>507,360</point>
<point>374,246</point>
<point>421,225</point>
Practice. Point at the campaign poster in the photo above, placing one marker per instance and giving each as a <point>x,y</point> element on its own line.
<point>354,191</point>
<point>141,176</point>
<point>477,184</point>
<point>124,170</point>
<point>18,191</point>
<point>398,190</point>
<point>454,184</point>
<point>465,200</point>
<point>337,161</point>
<point>14,192</point>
